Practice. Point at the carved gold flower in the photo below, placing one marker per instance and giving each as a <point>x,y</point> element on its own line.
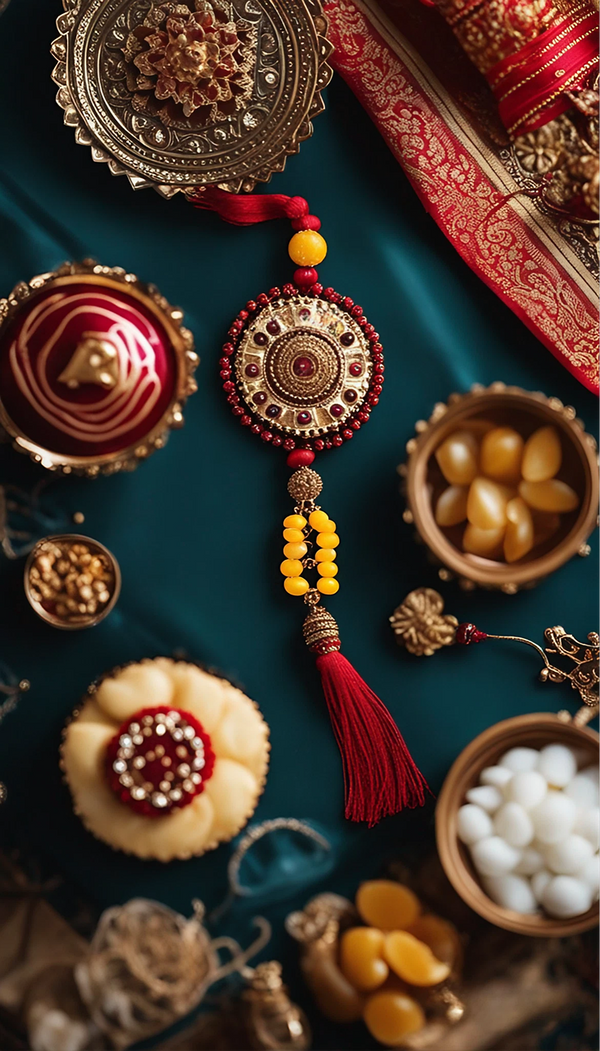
<point>539,151</point>
<point>420,624</point>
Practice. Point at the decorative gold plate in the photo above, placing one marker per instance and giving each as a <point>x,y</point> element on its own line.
<point>199,93</point>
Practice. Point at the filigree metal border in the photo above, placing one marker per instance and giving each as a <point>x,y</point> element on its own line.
<point>187,359</point>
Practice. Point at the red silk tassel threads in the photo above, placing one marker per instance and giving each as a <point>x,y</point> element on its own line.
<point>380,775</point>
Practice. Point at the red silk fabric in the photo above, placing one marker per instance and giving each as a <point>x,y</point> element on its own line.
<point>530,85</point>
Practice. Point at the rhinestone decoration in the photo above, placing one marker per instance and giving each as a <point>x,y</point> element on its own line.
<point>164,766</point>
<point>311,356</point>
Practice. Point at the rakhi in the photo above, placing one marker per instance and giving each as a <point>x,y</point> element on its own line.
<point>302,369</point>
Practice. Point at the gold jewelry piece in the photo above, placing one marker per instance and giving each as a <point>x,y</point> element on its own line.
<point>72,581</point>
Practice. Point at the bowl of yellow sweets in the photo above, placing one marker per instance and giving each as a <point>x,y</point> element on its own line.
<point>502,486</point>
<point>385,960</point>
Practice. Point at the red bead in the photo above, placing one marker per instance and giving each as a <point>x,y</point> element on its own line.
<point>277,441</point>
<point>233,399</point>
<point>225,374</point>
<point>224,363</point>
<point>348,303</point>
<point>229,387</point>
<point>347,434</point>
<point>257,428</point>
<point>245,420</point>
<point>274,293</point>
<point>267,436</point>
<point>250,306</point>
<point>468,633</point>
<point>377,346</point>
<point>328,443</point>
<point>369,329</point>
<point>300,458</point>
<point>289,289</point>
<point>319,444</point>
<point>337,440</point>
<point>329,292</point>
<point>362,321</point>
<point>238,411</point>
<point>243,315</point>
<point>305,276</point>
<point>289,444</point>
<point>317,289</point>
<point>307,222</point>
<point>356,425</point>
<point>379,367</point>
<point>373,399</point>
<point>356,311</point>
<point>228,348</point>
<point>374,337</point>
<point>262,299</point>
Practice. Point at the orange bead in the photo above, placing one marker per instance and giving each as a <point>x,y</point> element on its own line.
<point>293,536</point>
<point>291,567</point>
<point>296,585</point>
<point>328,540</point>
<point>295,550</point>
<point>318,520</point>
<point>294,522</point>
<point>328,586</point>
<point>307,248</point>
<point>388,905</point>
<point>412,960</point>
<point>325,554</point>
<point>327,569</point>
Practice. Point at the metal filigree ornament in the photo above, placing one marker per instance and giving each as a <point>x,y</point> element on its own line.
<point>185,95</point>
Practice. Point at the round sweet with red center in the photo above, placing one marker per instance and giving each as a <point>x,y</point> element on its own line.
<point>88,367</point>
<point>303,367</point>
<point>159,760</point>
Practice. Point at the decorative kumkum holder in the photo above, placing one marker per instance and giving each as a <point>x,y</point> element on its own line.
<point>183,95</point>
<point>95,367</point>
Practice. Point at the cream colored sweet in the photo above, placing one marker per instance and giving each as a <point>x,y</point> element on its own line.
<point>233,731</point>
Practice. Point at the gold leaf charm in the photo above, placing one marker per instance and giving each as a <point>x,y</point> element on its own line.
<point>94,361</point>
<point>420,624</point>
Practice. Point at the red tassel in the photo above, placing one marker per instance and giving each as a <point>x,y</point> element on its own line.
<point>246,209</point>
<point>380,776</point>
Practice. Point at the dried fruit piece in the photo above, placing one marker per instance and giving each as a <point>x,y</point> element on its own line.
<point>457,457</point>
<point>542,455</point>
<point>550,495</point>
<point>451,507</point>
<point>484,542</point>
<point>441,937</point>
<point>518,539</point>
<point>486,503</point>
<point>361,958</point>
<point>501,453</point>
<point>390,1016</point>
<point>388,905</point>
<point>412,960</point>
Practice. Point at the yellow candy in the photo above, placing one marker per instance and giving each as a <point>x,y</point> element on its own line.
<point>328,540</point>
<point>318,520</point>
<point>542,456</point>
<point>296,585</point>
<point>388,905</point>
<point>551,495</point>
<point>390,1016</point>
<point>518,540</point>
<point>307,248</point>
<point>501,454</point>
<point>457,457</point>
<point>484,542</point>
<point>545,525</point>
<point>295,550</point>
<point>294,522</point>
<point>486,504</point>
<point>291,567</point>
<point>441,937</point>
<point>327,569</point>
<point>361,958</point>
<point>328,586</point>
<point>293,536</point>
<point>412,960</point>
<point>325,554</point>
<point>451,507</point>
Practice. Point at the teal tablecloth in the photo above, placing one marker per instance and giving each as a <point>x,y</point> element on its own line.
<point>197,528</point>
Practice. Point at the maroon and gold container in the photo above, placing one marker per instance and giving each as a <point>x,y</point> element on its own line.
<point>95,368</point>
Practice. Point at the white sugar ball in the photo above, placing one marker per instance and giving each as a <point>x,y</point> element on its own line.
<point>569,855</point>
<point>520,759</point>
<point>566,896</point>
<point>557,764</point>
<point>497,776</point>
<point>593,772</point>
<point>486,796</point>
<point>531,862</point>
<point>590,874</point>
<point>554,817</point>
<point>539,882</point>
<point>511,892</point>
<point>583,791</point>
<point>513,823</point>
<point>494,857</point>
<point>473,823</point>
<point>528,789</point>
<point>587,824</point>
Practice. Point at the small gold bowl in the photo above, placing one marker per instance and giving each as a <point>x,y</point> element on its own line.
<point>51,607</point>
<point>525,411</point>
<point>534,731</point>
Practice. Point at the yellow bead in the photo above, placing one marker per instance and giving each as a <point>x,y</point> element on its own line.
<point>325,554</point>
<point>328,586</point>
<point>294,522</point>
<point>295,550</point>
<point>327,569</point>
<point>292,567</point>
<point>328,540</point>
<point>296,585</point>
<point>329,527</point>
<point>319,521</point>
<point>293,536</point>
<point>307,248</point>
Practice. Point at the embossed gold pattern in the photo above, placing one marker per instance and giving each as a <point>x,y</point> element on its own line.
<point>420,624</point>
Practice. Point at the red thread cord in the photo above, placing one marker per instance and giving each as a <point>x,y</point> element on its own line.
<point>380,776</point>
<point>246,209</point>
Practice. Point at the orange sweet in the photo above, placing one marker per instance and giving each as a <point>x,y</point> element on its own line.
<point>361,958</point>
<point>390,1016</point>
<point>412,960</point>
<point>387,905</point>
<point>441,937</point>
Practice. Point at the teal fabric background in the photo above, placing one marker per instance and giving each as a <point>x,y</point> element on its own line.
<point>197,528</point>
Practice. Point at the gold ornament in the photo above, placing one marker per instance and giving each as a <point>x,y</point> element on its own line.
<point>305,485</point>
<point>420,625</point>
<point>273,1022</point>
<point>94,361</point>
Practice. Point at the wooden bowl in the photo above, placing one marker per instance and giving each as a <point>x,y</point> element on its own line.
<point>525,411</point>
<point>535,731</point>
